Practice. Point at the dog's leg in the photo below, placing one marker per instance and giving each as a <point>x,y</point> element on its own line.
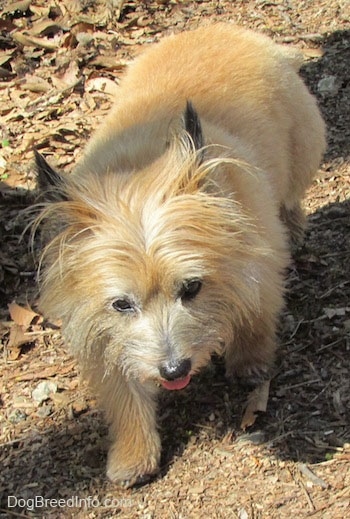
<point>250,358</point>
<point>295,220</point>
<point>131,410</point>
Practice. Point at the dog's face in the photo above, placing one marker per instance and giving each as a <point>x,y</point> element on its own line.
<point>163,320</point>
<point>151,272</point>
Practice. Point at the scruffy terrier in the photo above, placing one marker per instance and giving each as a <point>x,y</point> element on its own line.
<point>169,241</point>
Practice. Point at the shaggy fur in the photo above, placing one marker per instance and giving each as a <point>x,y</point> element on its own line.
<point>169,243</point>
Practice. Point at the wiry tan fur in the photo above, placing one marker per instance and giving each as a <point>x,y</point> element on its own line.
<point>145,211</point>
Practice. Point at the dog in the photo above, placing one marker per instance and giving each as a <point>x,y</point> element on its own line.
<point>170,240</point>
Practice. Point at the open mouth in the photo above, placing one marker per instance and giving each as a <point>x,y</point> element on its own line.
<point>177,384</point>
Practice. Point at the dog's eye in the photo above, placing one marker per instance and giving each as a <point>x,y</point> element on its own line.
<point>190,289</point>
<point>123,305</point>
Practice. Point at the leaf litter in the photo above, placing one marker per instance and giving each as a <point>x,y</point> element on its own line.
<point>59,67</point>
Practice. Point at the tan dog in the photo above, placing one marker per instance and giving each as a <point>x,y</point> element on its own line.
<point>167,243</point>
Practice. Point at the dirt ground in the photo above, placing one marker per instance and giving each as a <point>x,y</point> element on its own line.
<point>59,62</point>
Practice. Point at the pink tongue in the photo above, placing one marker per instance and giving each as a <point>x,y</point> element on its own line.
<point>176,384</point>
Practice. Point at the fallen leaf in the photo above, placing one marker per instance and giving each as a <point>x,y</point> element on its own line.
<point>69,78</point>
<point>101,84</point>
<point>21,316</point>
<point>35,84</point>
<point>5,57</point>
<point>256,402</point>
<point>108,62</point>
<point>34,41</point>
<point>17,7</point>
<point>16,339</point>
<point>116,8</point>
<point>82,27</point>
<point>44,28</point>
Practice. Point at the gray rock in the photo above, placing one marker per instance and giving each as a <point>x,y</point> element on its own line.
<point>43,391</point>
<point>328,86</point>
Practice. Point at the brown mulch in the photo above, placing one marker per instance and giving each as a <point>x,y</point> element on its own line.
<point>59,62</point>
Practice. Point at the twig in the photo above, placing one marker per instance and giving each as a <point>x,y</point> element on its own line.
<point>311,476</point>
<point>307,495</point>
<point>326,346</point>
<point>11,442</point>
<point>301,485</point>
<point>321,392</point>
<point>335,254</point>
<point>330,290</point>
<point>293,386</point>
<point>296,329</point>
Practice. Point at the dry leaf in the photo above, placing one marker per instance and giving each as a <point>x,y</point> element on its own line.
<point>82,27</point>
<point>108,62</point>
<point>44,28</point>
<point>69,78</point>
<point>101,84</point>
<point>35,84</point>
<point>21,316</point>
<point>256,402</point>
<point>5,57</point>
<point>21,6</point>
<point>34,41</point>
<point>19,335</point>
<point>16,340</point>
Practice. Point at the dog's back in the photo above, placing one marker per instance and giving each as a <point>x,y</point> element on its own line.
<point>247,93</point>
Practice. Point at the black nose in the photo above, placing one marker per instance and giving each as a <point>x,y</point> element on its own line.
<point>175,369</point>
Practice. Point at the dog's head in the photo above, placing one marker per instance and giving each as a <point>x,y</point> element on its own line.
<point>151,271</point>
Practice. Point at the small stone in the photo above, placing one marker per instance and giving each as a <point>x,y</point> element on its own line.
<point>328,86</point>
<point>17,416</point>
<point>44,411</point>
<point>43,391</point>
<point>243,514</point>
<point>289,323</point>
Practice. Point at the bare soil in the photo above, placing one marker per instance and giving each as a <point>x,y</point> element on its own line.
<point>59,62</point>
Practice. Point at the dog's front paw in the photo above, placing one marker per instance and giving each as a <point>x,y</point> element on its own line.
<point>131,471</point>
<point>251,377</point>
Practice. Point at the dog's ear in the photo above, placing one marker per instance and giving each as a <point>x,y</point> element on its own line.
<point>193,126</point>
<point>49,182</point>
